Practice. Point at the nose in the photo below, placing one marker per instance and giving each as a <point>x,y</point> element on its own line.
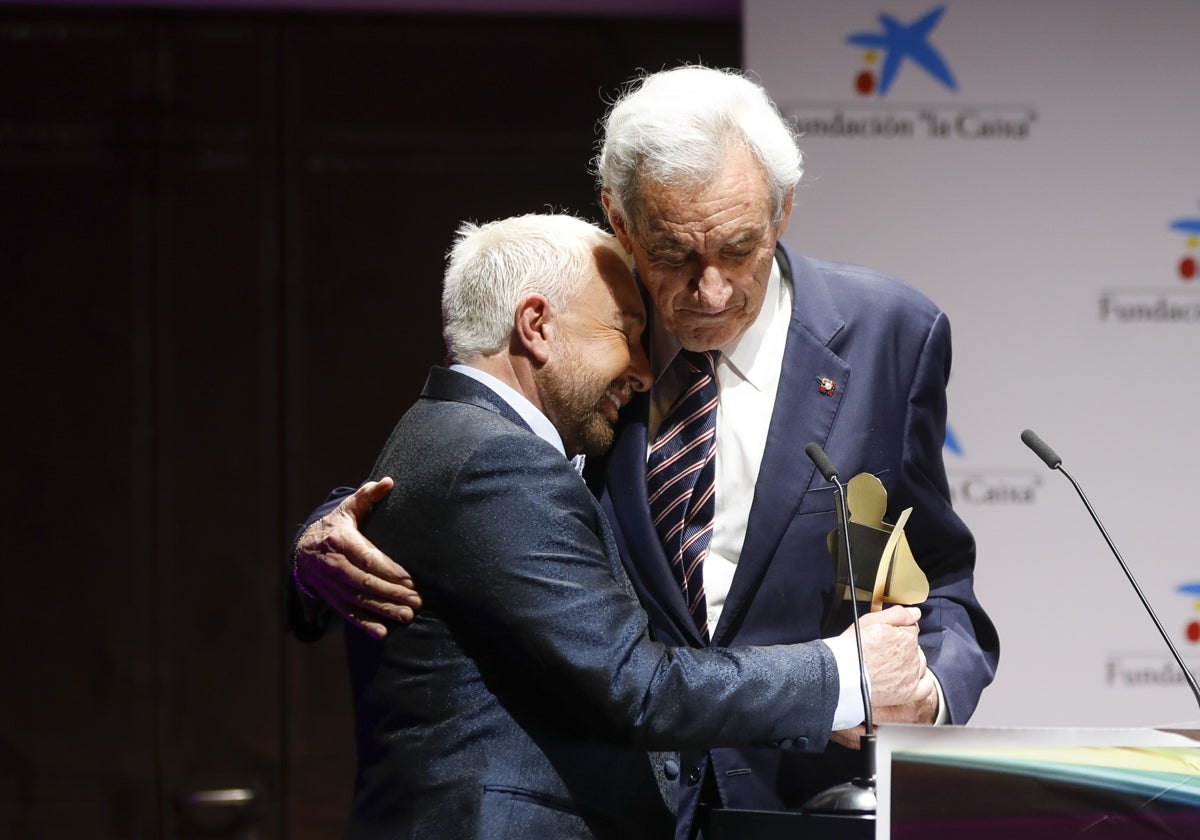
<point>638,372</point>
<point>712,289</point>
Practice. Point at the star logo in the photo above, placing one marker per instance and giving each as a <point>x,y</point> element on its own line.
<point>900,42</point>
<point>952,443</point>
<point>1192,631</point>
<point>1187,263</point>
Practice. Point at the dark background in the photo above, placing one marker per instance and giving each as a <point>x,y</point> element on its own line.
<point>221,237</point>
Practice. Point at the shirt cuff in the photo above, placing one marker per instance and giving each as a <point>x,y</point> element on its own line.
<point>849,712</point>
<point>943,715</point>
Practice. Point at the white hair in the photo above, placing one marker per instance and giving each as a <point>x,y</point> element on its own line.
<point>677,126</point>
<point>492,266</point>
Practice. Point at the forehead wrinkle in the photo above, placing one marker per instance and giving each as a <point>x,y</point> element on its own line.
<point>677,237</point>
<point>677,224</point>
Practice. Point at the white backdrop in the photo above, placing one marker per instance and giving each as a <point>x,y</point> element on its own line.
<point>1035,203</point>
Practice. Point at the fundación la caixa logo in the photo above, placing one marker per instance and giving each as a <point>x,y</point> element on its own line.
<point>888,55</point>
<point>1192,630</point>
<point>1176,300</point>
<point>976,487</point>
<point>1190,227</point>
<point>899,42</point>
<point>1160,668</point>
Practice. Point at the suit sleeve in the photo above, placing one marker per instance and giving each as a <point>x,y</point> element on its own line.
<point>300,625</point>
<point>959,639</point>
<point>525,563</point>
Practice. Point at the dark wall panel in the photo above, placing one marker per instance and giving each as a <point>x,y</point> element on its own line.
<point>218,421</point>
<point>77,718</point>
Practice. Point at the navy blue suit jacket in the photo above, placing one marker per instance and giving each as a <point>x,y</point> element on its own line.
<point>521,700</point>
<point>887,348</point>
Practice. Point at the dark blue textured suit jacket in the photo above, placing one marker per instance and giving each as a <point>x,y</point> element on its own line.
<point>521,700</point>
<point>887,348</point>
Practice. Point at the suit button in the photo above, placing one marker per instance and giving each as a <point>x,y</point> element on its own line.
<point>787,743</point>
<point>694,775</point>
<point>671,769</point>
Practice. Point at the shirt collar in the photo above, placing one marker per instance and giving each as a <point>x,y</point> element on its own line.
<point>541,425</point>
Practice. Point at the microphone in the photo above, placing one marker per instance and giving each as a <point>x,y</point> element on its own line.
<point>1055,463</point>
<point>817,455</point>
<point>856,797</point>
<point>1043,451</point>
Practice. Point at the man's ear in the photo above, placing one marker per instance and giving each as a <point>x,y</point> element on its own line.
<point>615,220</point>
<point>785,212</point>
<point>533,327</point>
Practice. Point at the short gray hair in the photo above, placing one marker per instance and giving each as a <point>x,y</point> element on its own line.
<point>676,127</point>
<point>492,266</point>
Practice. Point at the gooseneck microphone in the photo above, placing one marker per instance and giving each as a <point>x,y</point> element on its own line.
<point>1043,451</point>
<point>1050,457</point>
<point>817,455</point>
<point>857,796</point>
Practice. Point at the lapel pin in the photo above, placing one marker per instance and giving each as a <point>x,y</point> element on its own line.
<point>827,385</point>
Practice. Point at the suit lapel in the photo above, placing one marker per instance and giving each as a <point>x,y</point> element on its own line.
<point>641,551</point>
<point>445,384</point>
<point>802,413</point>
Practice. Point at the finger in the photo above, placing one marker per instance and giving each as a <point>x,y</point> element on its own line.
<point>850,738</point>
<point>379,577</point>
<point>347,597</point>
<point>366,614</point>
<point>920,707</point>
<point>389,610</point>
<point>374,590</point>
<point>903,616</point>
<point>924,687</point>
<point>382,609</point>
<point>358,503</point>
<point>930,703</point>
<point>400,595</point>
<point>372,628</point>
<point>895,616</point>
<point>377,564</point>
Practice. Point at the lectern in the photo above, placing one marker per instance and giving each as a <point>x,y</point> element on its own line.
<point>952,782</point>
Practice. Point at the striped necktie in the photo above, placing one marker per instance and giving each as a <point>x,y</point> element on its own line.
<point>681,479</point>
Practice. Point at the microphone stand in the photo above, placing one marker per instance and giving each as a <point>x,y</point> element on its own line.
<point>1050,457</point>
<point>855,798</point>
